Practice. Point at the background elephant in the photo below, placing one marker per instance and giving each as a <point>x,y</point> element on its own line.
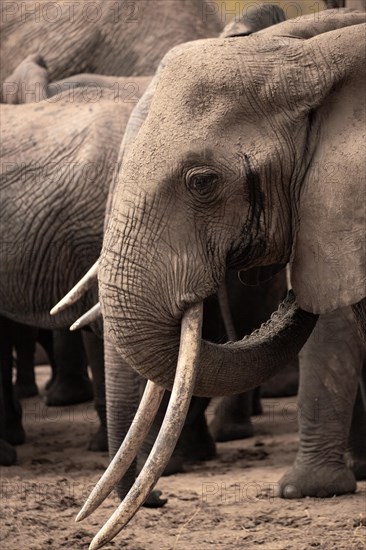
<point>61,159</point>
<point>238,195</point>
<point>69,383</point>
<point>119,39</point>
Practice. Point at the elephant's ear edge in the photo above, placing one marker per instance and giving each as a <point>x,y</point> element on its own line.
<point>329,254</point>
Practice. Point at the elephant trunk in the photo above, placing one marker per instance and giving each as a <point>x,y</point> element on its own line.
<point>122,395</point>
<point>241,366</point>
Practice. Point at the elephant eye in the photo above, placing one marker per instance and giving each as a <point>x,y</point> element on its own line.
<point>202,183</point>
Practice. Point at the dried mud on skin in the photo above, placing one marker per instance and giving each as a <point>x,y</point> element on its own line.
<point>226,503</point>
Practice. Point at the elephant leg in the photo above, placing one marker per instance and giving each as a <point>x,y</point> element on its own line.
<point>196,442</point>
<point>175,464</point>
<point>257,409</point>
<point>94,349</point>
<point>330,365</point>
<point>72,384</point>
<point>24,340</point>
<point>45,338</point>
<point>331,4</point>
<point>232,418</point>
<point>13,429</point>
<point>8,455</point>
<point>359,311</point>
<point>357,439</point>
<point>285,383</point>
<point>250,306</point>
<point>123,386</point>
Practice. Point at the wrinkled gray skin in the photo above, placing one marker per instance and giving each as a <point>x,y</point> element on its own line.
<point>111,46</point>
<point>33,70</point>
<point>30,83</point>
<point>120,39</point>
<point>233,163</point>
<point>74,161</point>
<point>330,366</point>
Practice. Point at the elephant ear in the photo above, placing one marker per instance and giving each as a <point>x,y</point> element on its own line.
<point>329,260</point>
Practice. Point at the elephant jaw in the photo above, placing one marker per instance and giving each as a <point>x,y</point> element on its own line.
<point>255,357</point>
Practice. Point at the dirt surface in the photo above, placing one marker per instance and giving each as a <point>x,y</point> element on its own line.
<point>226,503</point>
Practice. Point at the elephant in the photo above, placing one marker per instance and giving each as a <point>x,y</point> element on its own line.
<point>233,169</point>
<point>119,39</point>
<point>40,75</point>
<point>30,83</point>
<point>69,383</point>
<point>35,157</point>
<point>86,45</point>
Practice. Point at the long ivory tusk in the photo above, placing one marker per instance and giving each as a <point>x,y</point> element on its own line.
<point>169,432</point>
<point>139,429</point>
<point>86,282</point>
<point>91,315</point>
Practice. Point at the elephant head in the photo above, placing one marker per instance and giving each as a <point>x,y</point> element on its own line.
<point>242,161</point>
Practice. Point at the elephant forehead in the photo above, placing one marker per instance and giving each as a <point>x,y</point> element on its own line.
<point>212,77</point>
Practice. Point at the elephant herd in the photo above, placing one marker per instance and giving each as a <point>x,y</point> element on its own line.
<point>171,152</point>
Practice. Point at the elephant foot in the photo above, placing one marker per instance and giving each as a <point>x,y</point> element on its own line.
<point>99,441</point>
<point>230,431</point>
<point>175,465</point>
<point>197,443</point>
<point>8,455</point>
<point>311,481</point>
<point>26,390</point>
<point>154,501</point>
<point>357,464</point>
<point>62,394</point>
<point>14,433</point>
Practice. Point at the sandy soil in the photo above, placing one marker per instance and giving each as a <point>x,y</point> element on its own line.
<point>227,503</point>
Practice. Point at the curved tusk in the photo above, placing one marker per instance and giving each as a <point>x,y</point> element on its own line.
<point>170,430</point>
<point>91,315</point>
<point>139,429</point>
<point>86,282</point>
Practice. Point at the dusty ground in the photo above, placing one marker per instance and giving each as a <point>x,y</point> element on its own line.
<point>226,504</point>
